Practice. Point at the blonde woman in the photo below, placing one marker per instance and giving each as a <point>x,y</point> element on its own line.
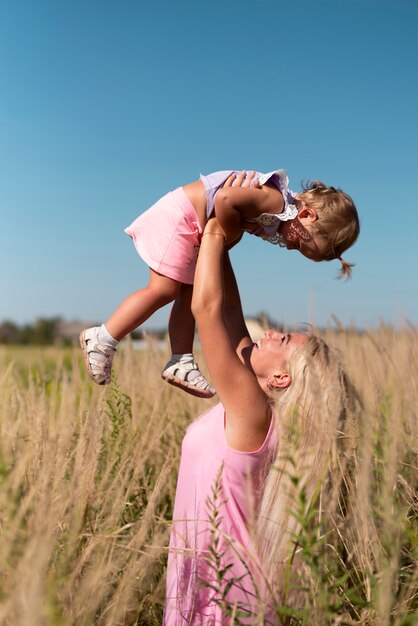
<point>230,541</point>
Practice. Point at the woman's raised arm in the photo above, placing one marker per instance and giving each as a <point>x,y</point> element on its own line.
<point>246,405</point>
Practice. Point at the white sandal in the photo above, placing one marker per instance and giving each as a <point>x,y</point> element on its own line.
<point>178,374</point>
<point>97,357</point>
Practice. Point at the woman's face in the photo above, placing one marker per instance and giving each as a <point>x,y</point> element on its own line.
<point>271,353</point>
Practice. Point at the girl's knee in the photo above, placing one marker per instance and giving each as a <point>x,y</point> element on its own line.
<point>164,289</point>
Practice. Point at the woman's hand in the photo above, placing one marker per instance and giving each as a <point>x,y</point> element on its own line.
<point>213,227</point>
<point>241,180</point>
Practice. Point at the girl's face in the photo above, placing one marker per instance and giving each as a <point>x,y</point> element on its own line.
<point>296,236</point>
<point>299,233</point>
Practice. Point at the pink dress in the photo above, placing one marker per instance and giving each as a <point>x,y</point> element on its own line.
<point>217,493</point>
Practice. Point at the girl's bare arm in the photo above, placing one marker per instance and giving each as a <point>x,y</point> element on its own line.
<point>235,204</point>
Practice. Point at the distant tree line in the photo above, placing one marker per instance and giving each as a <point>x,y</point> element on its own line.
<point>42,332</point>
<point>53,331</point>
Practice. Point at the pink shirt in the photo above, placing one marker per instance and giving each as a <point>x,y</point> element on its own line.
<point>217,492</point>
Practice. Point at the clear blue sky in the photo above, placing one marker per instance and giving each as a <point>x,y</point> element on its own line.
<point>105,106</point>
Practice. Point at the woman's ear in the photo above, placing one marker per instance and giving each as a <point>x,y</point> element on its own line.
<point>307,215</point>
<point>279,381</point>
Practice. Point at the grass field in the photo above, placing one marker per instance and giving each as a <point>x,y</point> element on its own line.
<point>88,477</point>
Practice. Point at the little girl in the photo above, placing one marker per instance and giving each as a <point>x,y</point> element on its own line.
<point>321,222</point>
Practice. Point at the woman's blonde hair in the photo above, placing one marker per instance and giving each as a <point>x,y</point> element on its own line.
<point>316,421</point>
<point>338,223</point>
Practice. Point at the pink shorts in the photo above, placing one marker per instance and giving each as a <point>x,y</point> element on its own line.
<point>167,236</point>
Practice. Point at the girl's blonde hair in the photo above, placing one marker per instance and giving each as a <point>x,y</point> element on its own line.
<point>316,422</point>
<point>338,223</point>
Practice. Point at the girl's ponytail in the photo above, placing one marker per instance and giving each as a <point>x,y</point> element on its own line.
<point>345,269</point>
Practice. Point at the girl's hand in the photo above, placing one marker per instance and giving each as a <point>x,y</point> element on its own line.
<point>241,180</point>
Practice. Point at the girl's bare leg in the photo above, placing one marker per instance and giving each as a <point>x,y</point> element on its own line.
<point>182,370</point>
<point>181,326</point>
<point>141,304</point>
<point>99,342</point>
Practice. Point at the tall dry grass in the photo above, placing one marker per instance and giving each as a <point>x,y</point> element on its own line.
<point>88,478</point>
